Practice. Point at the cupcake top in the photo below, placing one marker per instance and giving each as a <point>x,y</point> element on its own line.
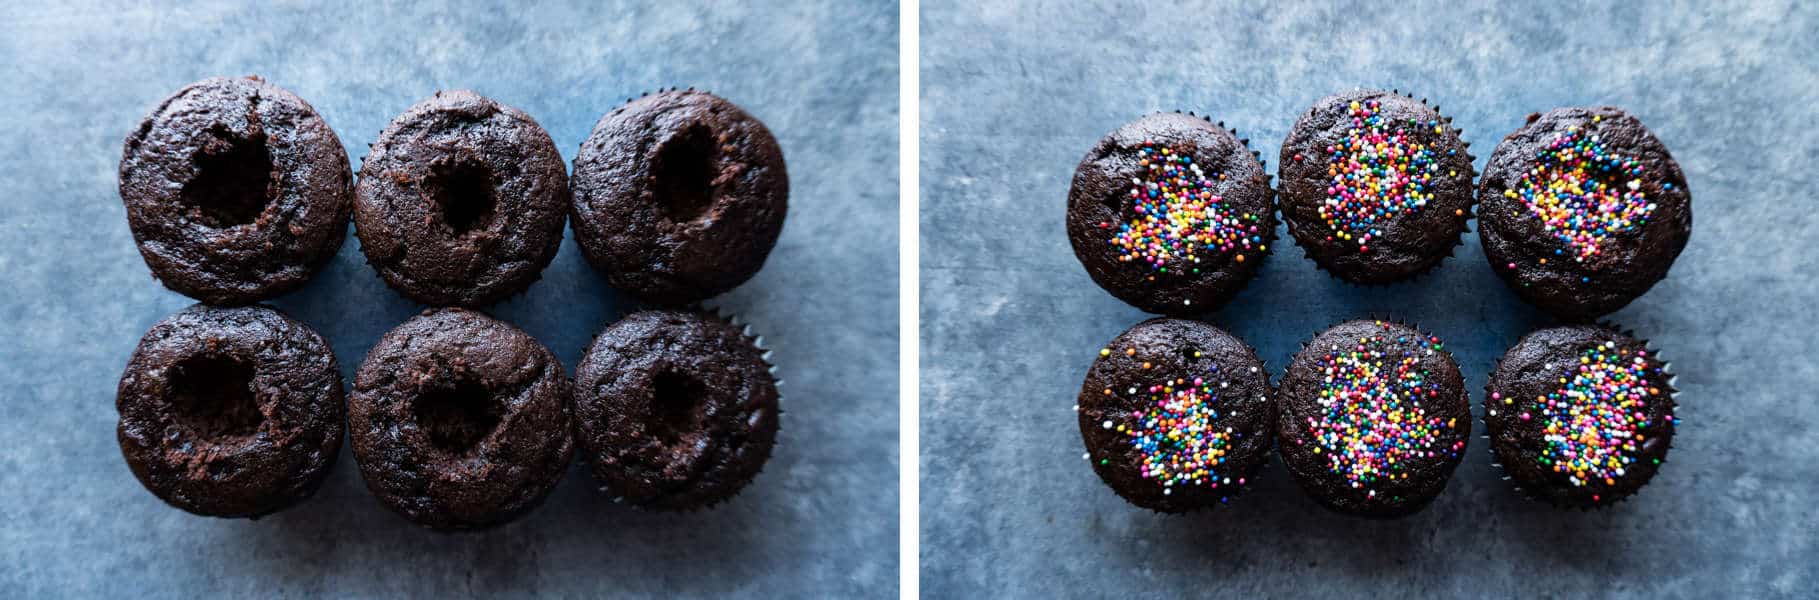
<point>460,420</point>
<point>236,190</point>
<point>1373,418</point>
<point>1580,416</point>
<point>1376,186</point>
<point>461,201</point>
<point>677,410</point>
<point>679,196</point>
<point>1176,415</point>
<point>1583,210</point>
<point>1171,213</point>
<point>230,412</point>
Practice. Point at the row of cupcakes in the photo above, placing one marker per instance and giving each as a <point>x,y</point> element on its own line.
<point>1581,210</point>
<point>237,191</point>
<point>458,420</point>
<point>1371,417</point>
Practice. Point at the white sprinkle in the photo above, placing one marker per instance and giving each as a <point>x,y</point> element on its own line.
<point>1086,456</point>
<point>1167,491</point>
<point>1635,184</point>
<point>1107,425</point>
<point>1076,408</point>
<point>1253,369</point>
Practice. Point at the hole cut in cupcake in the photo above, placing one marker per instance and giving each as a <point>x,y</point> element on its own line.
<point>677,406</point>
<point>1190,352</point>
<point>683,174</point>
<point>462,192</point>
<point>233,182</point>
<point>213,398</point>
<point>458,415</point>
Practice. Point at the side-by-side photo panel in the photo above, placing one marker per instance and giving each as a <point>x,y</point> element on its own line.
<point>446,300</point>
<point>1295,300</point>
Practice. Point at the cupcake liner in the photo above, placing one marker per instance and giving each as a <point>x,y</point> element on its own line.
<point>1673,393</point>
<point>1471,210</point>
<point>764,353</point>
<point>1251,478</point>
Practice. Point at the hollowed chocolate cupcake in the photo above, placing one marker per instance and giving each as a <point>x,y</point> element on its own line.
<point>679,196</point>
<point>1171,213</point>
<point>677,410</point>
<point>460,421</point>
<point>230,412</point>
<point>461,201</point>
<point>235,190</point>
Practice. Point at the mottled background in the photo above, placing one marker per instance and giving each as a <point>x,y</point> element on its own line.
<point>1015,93</point>
<point>74,80</point>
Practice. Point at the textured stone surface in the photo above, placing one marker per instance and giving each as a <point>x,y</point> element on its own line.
<point>820,520</point>
<point>1015,93</point>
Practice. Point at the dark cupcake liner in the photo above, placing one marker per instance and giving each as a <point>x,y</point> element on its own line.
<point>1471,212</point>
<point>1251,478</point>
<point>1530,495</point>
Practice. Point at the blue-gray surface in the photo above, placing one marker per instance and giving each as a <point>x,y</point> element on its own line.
<point>1015,93</point>
<point>75,80</point>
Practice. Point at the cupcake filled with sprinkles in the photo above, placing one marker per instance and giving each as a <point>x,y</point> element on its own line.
<point>1171,213</point>
<point>1580,416</point>
<point>1176,415</point>
<point>1583,210</point>
<point>1376,186</point>
<point>1373,418</point>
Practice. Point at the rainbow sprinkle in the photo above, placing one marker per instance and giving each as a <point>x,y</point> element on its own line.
<point>1594,422</point>
<point>1373,422</point>
<point>1176,215</point>
<point>1584,193</point>
<point>1377,172</point>
<point>1176,435</point>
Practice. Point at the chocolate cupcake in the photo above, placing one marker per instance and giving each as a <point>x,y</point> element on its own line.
<point>1583,210</point>
<point>230,412</point>
<point>1376,186</point>
<point>1580,416</point>
<point>461,201</point>
<point>1171,213</point>
<point>1373,418</point>
<point>235,190</point>
<point>1176,415</point>
<point>677,410</point>
<point>460,420</point>
<point>679,196</point>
